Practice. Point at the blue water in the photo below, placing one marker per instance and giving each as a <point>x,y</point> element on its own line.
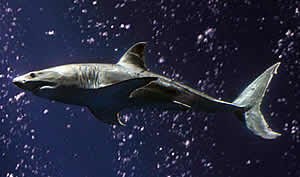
<point>215,46</point>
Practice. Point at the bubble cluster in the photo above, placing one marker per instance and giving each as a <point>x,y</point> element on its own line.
<point>16,135</point>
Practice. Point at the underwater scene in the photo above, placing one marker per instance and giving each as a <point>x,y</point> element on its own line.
<point>215,113</point>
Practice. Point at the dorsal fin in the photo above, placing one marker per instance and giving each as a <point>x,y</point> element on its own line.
<point>134,57</point>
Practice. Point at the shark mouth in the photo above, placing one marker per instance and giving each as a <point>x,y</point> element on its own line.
<point>42,85</point>
<point>35,86</point>
<point>38,85</point>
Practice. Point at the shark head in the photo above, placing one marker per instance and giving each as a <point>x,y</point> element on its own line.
<point>65,83</point>
<point>46,83</point>
<point>37,81</point>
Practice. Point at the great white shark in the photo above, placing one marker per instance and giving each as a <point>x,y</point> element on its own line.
<point>106,89</point>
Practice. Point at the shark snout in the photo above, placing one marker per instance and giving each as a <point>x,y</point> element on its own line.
<point>19,82</point>
<point>24,83</point>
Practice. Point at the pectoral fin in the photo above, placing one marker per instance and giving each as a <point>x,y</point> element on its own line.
<point>108,117</point>
<point>123,88</point>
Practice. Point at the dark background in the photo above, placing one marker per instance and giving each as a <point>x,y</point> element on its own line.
<point>215,46</point>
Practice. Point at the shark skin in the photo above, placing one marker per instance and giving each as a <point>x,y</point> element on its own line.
<point>106,89</point>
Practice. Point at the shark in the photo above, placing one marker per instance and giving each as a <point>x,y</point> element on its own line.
<point>106,89</point>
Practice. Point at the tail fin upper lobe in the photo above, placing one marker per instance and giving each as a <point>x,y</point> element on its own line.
<point>251,99</point>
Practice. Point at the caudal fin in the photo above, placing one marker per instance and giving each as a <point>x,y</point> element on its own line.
<point>251,99</point>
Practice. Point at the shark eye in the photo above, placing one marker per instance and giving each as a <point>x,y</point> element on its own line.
<point>32,75</point>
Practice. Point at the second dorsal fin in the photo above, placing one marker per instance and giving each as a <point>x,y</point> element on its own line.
<point>135,56</point>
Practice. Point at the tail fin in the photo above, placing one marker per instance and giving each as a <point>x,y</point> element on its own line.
<point>251,99</point>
